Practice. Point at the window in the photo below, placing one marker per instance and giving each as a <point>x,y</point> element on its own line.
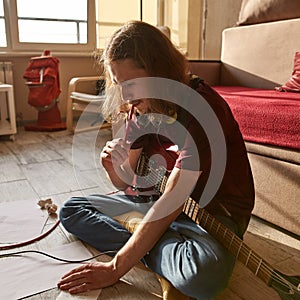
<point>48,24</point>
<point>61,25</point>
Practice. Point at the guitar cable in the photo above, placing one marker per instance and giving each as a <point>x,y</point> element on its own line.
<point>18,253</point>
<point>20,244</point>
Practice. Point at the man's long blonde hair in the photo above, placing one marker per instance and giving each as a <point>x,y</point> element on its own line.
<point>151,50</point>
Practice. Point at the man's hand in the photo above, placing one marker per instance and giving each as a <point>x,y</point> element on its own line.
<point>89,277</point>
<point>114,152</point>
<point>120,162</point>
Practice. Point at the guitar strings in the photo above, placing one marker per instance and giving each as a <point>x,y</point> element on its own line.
<point>244,250</point>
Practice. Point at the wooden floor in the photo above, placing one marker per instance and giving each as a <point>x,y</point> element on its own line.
<point>39,165</point>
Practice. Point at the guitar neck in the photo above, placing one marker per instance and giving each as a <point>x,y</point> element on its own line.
<point>229,240</point>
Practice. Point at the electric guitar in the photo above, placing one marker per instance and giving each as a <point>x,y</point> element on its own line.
<point>288,287</point>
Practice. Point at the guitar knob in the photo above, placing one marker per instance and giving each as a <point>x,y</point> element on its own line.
<point>133,188</point>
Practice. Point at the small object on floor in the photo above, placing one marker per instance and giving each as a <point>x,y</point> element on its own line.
<point>47,204</point>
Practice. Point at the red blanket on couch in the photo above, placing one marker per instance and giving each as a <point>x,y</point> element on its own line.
<point>265,116</point>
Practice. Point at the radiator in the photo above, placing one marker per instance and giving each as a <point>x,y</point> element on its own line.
<point>6,72</point>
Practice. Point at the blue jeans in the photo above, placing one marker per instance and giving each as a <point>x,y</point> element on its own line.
<point>189,257</point>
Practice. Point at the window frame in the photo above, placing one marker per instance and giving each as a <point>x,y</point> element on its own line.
<point>12,34</point>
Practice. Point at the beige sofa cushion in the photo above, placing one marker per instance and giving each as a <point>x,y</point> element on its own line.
<point>260,11</point>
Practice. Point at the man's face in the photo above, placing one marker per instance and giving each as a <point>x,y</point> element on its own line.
<point>123,70</point>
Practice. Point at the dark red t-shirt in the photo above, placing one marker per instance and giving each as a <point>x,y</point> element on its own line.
<point>235,194</point>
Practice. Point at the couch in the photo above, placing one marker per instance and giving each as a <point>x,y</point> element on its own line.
<point>255,59</point>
